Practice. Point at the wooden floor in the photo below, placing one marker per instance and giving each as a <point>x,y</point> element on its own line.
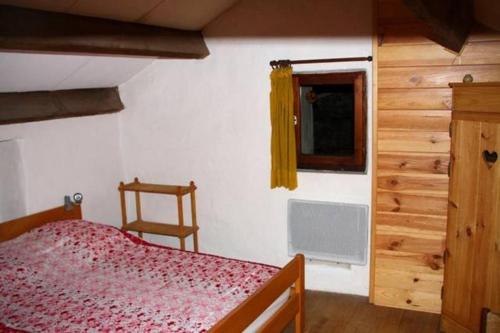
<point>332,313</point>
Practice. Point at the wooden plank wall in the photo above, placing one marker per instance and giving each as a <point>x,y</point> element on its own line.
<point>411,148</point>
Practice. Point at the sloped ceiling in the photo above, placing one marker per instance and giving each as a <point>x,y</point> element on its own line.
<point>180,14</point>
<point>32,72</point>
<point>29,72</point>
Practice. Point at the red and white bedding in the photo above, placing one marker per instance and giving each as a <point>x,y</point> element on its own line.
<point>75,276</point>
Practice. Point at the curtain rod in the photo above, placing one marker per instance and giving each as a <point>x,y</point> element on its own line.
<point>284,62</point>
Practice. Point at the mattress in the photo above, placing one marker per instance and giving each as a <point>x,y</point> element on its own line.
<point>74,276</point>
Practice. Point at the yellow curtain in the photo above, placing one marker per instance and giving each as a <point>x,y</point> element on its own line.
<point>283,154</point>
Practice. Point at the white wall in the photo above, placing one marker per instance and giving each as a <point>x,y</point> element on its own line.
<point>71,155</point>
<point>12,180</point>
<point>67,155</point>
<point>208,120</point>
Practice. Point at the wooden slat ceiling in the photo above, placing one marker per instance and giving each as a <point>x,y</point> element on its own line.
<point>180,14</point>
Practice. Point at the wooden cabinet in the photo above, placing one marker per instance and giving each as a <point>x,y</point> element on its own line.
<point>472,255</point>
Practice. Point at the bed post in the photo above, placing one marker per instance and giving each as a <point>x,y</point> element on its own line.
<point>300,291</point>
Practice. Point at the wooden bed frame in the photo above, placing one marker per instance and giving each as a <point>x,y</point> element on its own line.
<point>291,277</point>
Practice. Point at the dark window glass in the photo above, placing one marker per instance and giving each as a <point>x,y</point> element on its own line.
<point>331,121</point>
<point>327,119</point>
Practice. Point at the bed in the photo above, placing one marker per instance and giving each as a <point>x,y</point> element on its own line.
<point>74,275</point>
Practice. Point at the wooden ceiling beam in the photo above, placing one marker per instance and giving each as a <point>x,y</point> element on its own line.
<point>23,107</point>
<point>450,21</point>
<point>41,31</point>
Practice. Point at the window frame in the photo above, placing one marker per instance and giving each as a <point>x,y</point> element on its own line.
<point>355,162</point>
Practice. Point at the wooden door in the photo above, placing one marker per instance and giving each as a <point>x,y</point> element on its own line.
<point>490,201</point>
<point>472,219</point>
<point>462,214</point>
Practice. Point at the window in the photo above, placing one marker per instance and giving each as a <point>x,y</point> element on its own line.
<point>330,114</point>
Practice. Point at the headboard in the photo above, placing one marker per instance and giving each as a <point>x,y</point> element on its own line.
<point>13,228</point>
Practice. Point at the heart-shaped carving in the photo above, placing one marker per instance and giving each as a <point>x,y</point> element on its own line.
<point>490,157</point>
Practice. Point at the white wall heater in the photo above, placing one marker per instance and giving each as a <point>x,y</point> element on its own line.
<point>329,231</point>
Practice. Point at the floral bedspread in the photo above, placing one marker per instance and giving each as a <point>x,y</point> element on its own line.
<point>78,276</point>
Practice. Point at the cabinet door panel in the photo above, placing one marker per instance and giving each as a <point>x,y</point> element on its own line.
<point>472,268</point>
<point>489,217</point>
<point>462,213</point>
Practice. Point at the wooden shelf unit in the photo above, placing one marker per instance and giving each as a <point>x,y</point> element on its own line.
<point>140,226</point>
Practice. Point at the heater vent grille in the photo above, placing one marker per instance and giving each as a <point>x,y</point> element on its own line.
<point>329,231</point>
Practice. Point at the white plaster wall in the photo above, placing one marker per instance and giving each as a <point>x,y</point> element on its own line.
<point>208,120</point>
<point>12,179</point>
<point>71,155</point>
